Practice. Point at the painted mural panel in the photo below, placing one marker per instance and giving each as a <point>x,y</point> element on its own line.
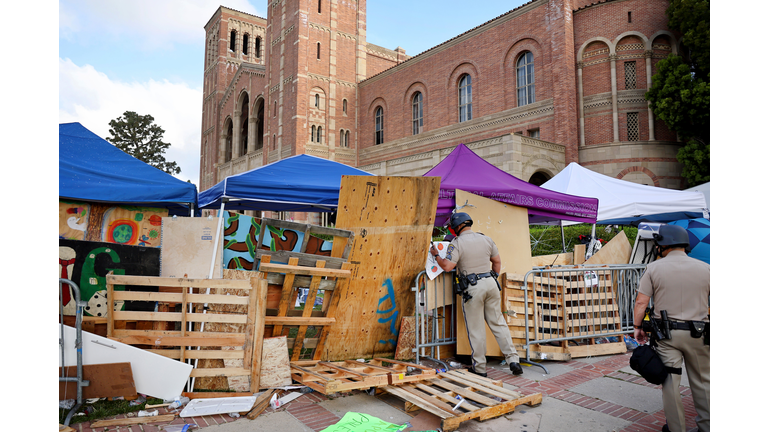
<point>88,263</point>
<point>241,235</point>
<point>119,224</point>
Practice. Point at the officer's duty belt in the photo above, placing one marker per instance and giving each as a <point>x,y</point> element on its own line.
<point>483,275</point>
<point>675,325</point>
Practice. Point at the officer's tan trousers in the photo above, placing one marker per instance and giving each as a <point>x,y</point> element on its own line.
<point>681,346</point>
<point>485,306</point>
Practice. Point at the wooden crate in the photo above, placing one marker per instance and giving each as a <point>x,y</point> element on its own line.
<point>246,345</point>
<point>484,398</point>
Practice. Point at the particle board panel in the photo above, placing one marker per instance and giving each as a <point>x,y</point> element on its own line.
<point>275,368</point>
<point>507,225</point>
<point>186,248</point>
<point>392,219</point>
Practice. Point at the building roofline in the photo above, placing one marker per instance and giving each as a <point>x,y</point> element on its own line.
<point>477,29</point>
<point>220,8</point>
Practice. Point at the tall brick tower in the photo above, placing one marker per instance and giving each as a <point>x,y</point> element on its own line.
<point>315,56</point>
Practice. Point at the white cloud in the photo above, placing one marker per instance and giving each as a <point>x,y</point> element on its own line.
<point>153,24</point>
<point>93,99</point>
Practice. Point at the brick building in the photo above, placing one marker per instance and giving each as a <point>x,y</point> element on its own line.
<point>548,83</point>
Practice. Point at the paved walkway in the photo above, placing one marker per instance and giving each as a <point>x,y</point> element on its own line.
<point>586,394</point>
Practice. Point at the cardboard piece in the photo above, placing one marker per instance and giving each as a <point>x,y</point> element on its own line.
<point>105,380</point>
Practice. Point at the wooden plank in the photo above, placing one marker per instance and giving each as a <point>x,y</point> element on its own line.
<point>192,340</point>
<point>332,306</point>
<point>552,260</point>
<point>314,229</point>
<point>219,372</point>
<point>177,316</point>
<point>306,313</point>
<point>305,259</point>
<point>133,421</point>
<point>295,321</point>
<point>105,380</point>
<point>579,253</point>
<point>392,218</point>
<point>301,270</point>
<point>285,297</point>
<point>262,402</point>
<point>177,282</point>
<point>597,349</point>
<point>258,334</point>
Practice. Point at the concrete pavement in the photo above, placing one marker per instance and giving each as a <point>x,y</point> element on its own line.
<point>582,395</point>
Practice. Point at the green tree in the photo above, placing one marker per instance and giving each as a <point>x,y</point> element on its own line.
<point>140,137</point>
<point>679,95</point>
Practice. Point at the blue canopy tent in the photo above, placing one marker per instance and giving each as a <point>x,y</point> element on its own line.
<point>698,237</point>
<point>92,169</point>
<point>299,183</point>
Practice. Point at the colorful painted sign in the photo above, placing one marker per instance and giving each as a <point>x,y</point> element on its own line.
<point>241,235</point>
<point>87,264</point>
<point>122,224</point>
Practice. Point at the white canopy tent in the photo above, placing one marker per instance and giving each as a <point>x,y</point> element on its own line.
<point>621,199</point>
<point>703,188</point>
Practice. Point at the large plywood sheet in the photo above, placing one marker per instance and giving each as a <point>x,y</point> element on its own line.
<point>507,225</point>
<point>187,248</point>
<point>392,218</point>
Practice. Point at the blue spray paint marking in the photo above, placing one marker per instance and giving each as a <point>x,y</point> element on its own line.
<point>392,319</point>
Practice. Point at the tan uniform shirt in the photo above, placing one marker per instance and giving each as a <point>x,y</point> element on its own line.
<point>678,284</point>
<point>472,252</point>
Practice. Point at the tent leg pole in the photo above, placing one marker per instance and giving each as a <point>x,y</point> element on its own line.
<point>562,234</point>
<point>210,276</point>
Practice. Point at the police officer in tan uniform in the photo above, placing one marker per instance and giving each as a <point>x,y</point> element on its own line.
<point>476,254</point>
<point>679,285</point>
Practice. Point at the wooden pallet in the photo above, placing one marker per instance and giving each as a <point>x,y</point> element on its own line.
<point>246,344</point>
<point>483,398</point>
<point>286,311</point>
<point>342,243</point>
<point>332,377</point>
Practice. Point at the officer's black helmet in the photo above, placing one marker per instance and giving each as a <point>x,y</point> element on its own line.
<point>459,218</point>
<point>672,235</point>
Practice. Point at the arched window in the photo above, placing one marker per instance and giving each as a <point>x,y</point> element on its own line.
<point>526,93</point>
<point>318,50</point>
<point>312,134</point>
<point>274,142</point>
<point>346,139</point>
<point>245,44</point>
<point>228,143</point>
<point>319,134</point>
<point>274,114</point>
<point>317,101</point>
<point>379,136</point>
<point>319,6</point>
<point>232,40</point>
<point>418,113</point>
<point>341,138</point>
<point>344,106</point>
<point>465,98</point>
<point>257,46</point>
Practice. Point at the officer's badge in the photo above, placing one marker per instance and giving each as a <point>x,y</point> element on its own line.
<point>449,251</point>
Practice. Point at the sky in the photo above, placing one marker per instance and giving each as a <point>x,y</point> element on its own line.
<point>147,55</point>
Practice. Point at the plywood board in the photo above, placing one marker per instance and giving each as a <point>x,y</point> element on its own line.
<point>187,246</point>
<point>104,380</point>
<point>275,364</point>
<point>392,219</point>
<point>552,260</point>
<point>616,251</point>
<point>153,374</point>
<point>507,225</point>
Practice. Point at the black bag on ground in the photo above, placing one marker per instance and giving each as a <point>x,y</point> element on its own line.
<point>648,364</point>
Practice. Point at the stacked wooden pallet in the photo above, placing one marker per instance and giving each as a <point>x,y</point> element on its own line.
<point>339,376</point>
<point>458,396</point>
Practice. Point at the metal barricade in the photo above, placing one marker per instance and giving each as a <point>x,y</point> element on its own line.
<point>435,315</point>
<point>79,305</point>
<point>573,303</point>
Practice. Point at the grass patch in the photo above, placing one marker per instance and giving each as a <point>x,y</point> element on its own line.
<point>105,408</point>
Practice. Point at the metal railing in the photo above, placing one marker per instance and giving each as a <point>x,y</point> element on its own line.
<point>79,305</point>
<point>579,302</point>
<point>434,326</point>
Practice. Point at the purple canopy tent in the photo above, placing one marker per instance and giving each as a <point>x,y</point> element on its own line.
<point>465,170</point>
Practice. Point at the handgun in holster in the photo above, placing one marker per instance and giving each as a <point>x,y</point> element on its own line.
<point>460,285</point>
<point>651,326</point>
